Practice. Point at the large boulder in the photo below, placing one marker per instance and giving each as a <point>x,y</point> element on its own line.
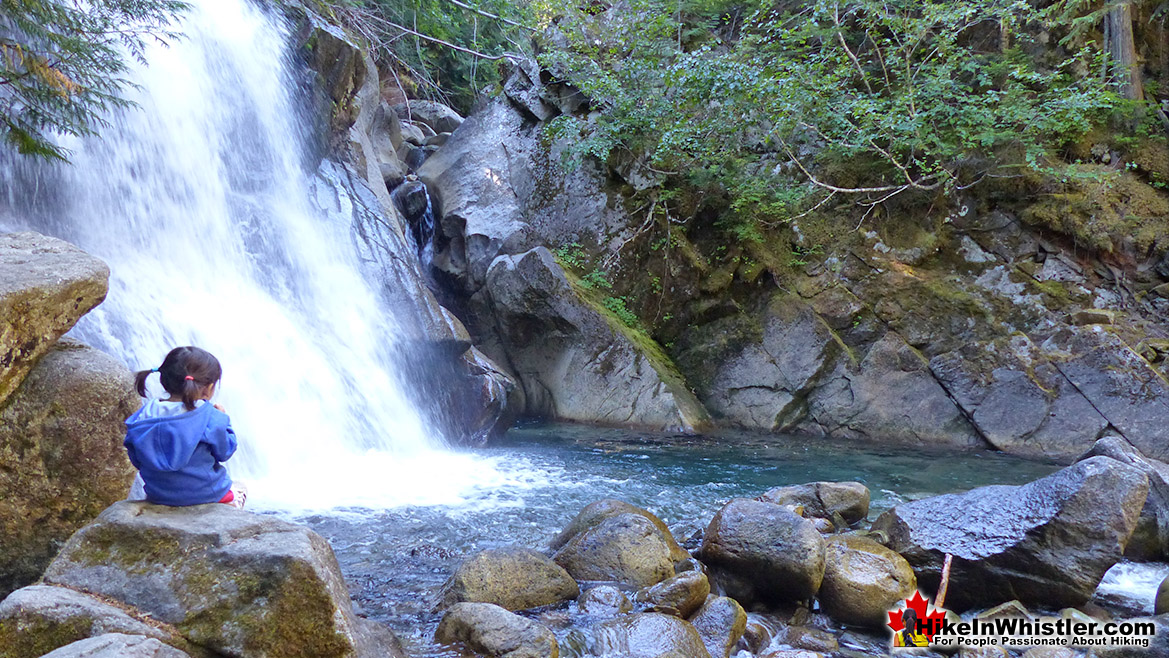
<point>490,630</point>
<point>598,511</point>
<point>762,552</point>
<point>575,358</point>
<point>439,117</point>
<point>46,285</point>
<point>863,580</point>
<point>720,622</point>
<point>1150,540</point>
<point>647,635</point>
<point>627,548</point>
<point>229,581</point>
<point>37,619</point>
<point>514,578</point>
<point>61,455</point>
<point>1048,542</point>
<point>825,500</point>
<point>117,645</point>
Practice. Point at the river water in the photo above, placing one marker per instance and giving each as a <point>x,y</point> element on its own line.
<point>395,560</point>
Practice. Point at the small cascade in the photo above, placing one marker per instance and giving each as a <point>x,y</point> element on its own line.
<point>412,199</point>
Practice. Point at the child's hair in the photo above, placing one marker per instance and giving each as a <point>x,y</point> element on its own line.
<point>185,372</point>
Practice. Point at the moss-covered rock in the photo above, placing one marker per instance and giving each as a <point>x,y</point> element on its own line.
<point>61,455</point>
<point>46,285</point>
<point>230,581</point>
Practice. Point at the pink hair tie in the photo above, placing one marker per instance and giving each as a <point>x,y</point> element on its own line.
<point>189,378</point>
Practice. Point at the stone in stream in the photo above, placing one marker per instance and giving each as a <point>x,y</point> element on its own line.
<point>37,619</point>
<point>863,580</point>
<point>761,552</point>
<point>489,629</point>
<point>46,285</point>
<point>604,601</point>
<point>1047,543</point>
<point>512,577</point>
<point>1161,601</point>
<point>808,639</point>
<point>720,622</point>
<point>227,580</point>
<point>680,596</point>
<point>117,645</point>
<point>598,511</point>
<point>647,635</point>
<point>627,548</point>
<point>1150,539</point>
<point>61,455</point>
<point>824,500</point>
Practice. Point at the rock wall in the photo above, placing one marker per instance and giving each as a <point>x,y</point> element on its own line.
<point>979,330</point>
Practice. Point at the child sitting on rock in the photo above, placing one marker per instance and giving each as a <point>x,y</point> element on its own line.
<point>178,443</point>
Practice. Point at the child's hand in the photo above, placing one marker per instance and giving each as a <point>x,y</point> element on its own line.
<point>219,407</point>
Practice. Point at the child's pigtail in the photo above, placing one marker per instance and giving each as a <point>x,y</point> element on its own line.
<point>140,381</point>
<point>191,390</point>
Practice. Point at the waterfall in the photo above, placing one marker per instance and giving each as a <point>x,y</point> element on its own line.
<point>199,200</point>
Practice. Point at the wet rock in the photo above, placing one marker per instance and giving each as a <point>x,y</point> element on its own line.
<point>61,455</point>
<point>576,360</point>
<point>410,198</point>
<point>680,595</point>
<point>863,580</point>
<point>439,117</point>
<point>490,630</point>
<point>647,635</point>
<point>117,645</point>
<point>604,601</point>
<point>720,622</point>
<point>1048,542</point>
<point>763,552</point>
<point>793,653</point>
<point>824,499</point>
<point>514,578</point>
<point>808,639</point>
<point>1161,602</point>
<point>756,637</point>
<point>598,511</point>
<point>37,619</point>
<point>1150,540</point>
<point>46,285</point>
<point>230,581</point>
<point>627,548</point>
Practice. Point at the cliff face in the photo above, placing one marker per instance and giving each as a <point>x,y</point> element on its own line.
<point>989,324</point>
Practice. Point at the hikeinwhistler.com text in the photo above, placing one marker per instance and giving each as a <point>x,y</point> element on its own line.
<point>1030,632</point>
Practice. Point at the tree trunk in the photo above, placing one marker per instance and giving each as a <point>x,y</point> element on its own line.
<point>1122,51</point>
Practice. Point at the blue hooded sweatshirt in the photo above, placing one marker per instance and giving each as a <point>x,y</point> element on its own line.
<point>179,455</point>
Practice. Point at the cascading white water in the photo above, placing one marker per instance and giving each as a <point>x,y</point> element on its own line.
<point>198,201</point>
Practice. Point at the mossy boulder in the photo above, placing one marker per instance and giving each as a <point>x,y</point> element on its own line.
<point>764,553</point>
<point>597,511</point>
<point>863,580</point>
<point>46,285</point>
<point>513,577</point>
<point>37,619</point>
<point>626,548</point>
<point>494,632</point>
<point>229,581</point>
<point>61,455</point>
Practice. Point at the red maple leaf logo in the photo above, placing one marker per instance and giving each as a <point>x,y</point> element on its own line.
<point>929,618</point>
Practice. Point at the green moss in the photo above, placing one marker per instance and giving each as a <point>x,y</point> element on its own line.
<point>32,638</point>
